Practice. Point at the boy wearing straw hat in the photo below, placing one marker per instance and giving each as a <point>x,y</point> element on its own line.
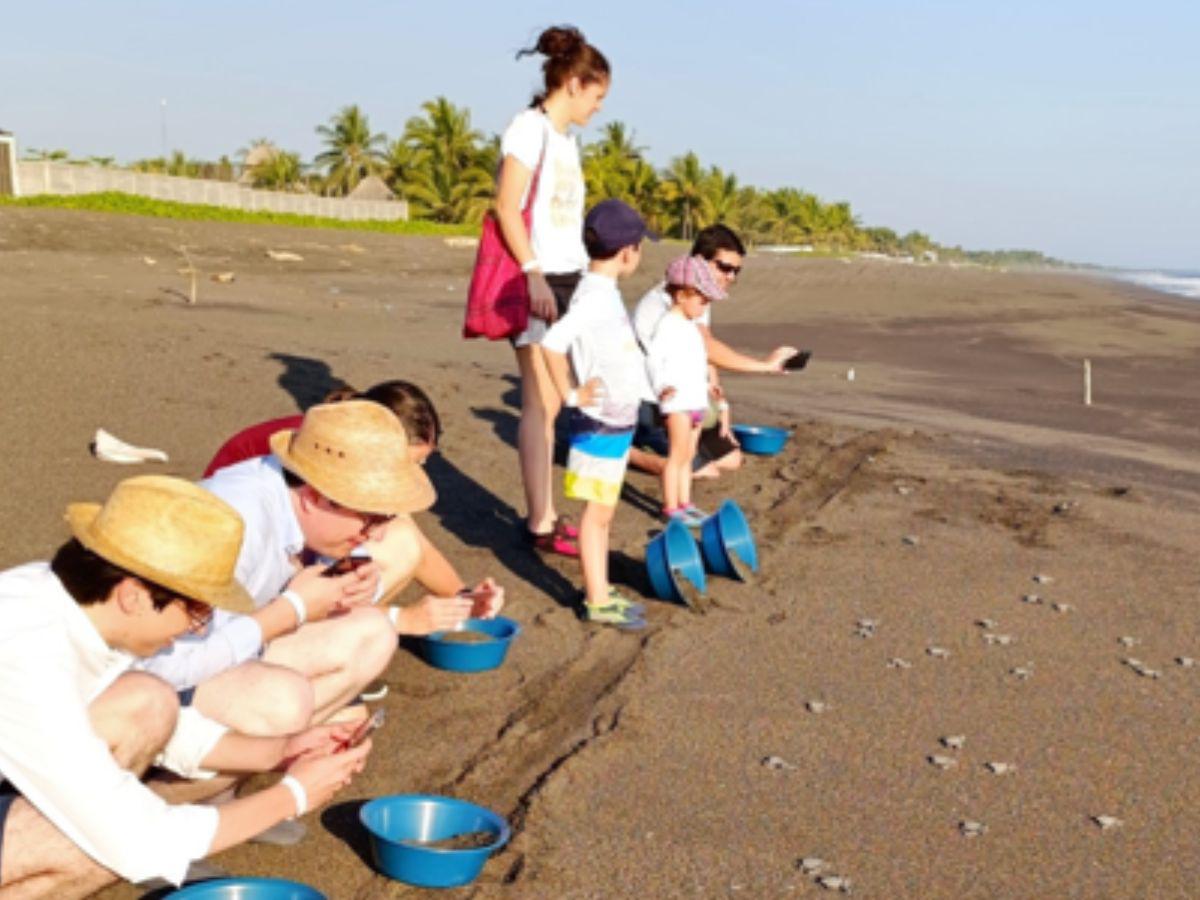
<point>328,486</point>
<point>80,728</point>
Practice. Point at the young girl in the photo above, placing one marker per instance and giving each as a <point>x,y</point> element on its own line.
<point>551,252</point>
<point>678,368</point>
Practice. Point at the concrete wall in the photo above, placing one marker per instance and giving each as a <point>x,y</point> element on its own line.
<point>62,178</point>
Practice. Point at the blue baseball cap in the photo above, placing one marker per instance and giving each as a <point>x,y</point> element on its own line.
<point>613,225</point>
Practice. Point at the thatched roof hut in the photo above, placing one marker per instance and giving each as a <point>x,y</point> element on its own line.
<point>372,188</point>
<point>257,155</point>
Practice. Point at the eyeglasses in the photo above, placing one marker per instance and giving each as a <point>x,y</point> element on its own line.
<point>727,268</point>
<point>199,614</point>
<point>369,520</point>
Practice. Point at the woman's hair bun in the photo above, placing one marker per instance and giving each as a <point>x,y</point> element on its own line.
<point>560,42</point>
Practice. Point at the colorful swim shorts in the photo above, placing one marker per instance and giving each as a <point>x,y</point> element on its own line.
<point>597,459</point>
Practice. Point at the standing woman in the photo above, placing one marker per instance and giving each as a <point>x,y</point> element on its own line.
<point>551,251</point>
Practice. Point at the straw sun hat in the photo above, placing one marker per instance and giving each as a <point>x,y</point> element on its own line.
<point>356,454</point>
<point>168,531</point>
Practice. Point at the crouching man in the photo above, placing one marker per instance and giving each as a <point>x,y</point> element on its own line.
<point>78,729</point>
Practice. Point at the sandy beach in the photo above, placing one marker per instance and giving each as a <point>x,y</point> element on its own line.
<point>688,761</point>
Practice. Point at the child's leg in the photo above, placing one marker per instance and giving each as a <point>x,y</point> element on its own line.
<point>679,460</point>
<point>593,550</point>
<point>685,475</point>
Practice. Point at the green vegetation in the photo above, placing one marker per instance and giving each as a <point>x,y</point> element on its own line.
<point>112,202</point>
<point>445,169</point>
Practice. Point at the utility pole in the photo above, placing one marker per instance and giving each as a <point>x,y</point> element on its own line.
<point>164,128</point>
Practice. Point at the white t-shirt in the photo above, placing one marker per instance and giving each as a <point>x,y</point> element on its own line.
<point>675,357</point>
<point>652,307</point>
<point>557,223</point>
<point>598,337</point>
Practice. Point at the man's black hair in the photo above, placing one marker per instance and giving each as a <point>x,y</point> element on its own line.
<point>90,578</point>
<point>717,237</point>
<point>595,248</point>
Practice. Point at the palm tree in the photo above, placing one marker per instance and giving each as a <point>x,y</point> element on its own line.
<point>442,165</point>
<point>281,171</point>
<point>352,153</point>
<point>687,203</point>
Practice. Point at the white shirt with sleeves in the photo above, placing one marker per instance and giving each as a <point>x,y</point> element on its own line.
<point>557,221</point>
<point>676,358</point>
<point>270,543</point>
<point>652,307</point>
<point>53,664</point>
<point>597,336</point>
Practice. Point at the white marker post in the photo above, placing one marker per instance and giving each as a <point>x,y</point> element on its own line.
<point>1087,382</point>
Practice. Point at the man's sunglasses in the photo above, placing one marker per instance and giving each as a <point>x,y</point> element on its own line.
<point>727,268</point>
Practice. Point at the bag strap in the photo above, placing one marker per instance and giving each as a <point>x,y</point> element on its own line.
<point>531,194</point>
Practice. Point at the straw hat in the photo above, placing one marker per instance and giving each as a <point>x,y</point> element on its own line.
<point>171,532</point>
<point>356,454</point>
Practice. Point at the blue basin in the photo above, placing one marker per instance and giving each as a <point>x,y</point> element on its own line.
<point>442,652</point>
<point>247,889</point>
<point>727,542</point>
<point>673,553</point>
<point>761,440</point>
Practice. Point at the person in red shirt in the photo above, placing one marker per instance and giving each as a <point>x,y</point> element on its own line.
<point>406,553</point>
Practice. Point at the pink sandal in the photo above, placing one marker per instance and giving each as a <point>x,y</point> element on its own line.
<point>553,542</point>
<point>563,526</point>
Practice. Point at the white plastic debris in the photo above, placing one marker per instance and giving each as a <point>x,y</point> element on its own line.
<point>112,449</point>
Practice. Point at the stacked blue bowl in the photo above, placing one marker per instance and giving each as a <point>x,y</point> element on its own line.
<point>247,889</point>
<point>727,542</point>
<point>671,554</point>
<point>761,440</point>
<point>442,651</point>
<point>406,828</point>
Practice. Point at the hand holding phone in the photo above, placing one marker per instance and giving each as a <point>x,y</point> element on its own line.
<point>799,361</point>
<point>363,731</point>
<point>346,565</point>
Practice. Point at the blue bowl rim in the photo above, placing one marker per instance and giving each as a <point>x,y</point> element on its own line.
<point>439,637</point>
<point>199,888</point>
<point>502,838</point>
<point>763,430</point>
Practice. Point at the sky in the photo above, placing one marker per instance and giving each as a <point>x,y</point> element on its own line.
<point>1068,127</point>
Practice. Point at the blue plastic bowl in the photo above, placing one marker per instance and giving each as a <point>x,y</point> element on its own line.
<point>672,553</point>
<point>248,889</point>
<point>400,824</point>
<point>726,541</point>
<point>480,656</point>
<point>761,440</point>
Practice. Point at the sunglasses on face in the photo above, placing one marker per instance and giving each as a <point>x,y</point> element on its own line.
<point>727,268</point>
<point>369,520</point>
<point>199,614</point>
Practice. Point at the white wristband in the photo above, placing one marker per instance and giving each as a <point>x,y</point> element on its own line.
<point>298,794</point>
<point>572,399</point>
<point>531,266</point>
<point>297,604</point>
<point>722,405</point>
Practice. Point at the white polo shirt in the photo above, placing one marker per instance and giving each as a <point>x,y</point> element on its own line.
<point>53,664</point>
<point>266,563</point>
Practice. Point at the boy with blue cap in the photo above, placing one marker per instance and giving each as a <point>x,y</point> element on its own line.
<point>608,385</point>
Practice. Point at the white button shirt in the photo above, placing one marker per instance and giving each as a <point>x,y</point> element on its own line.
<point>53,664</point>
<point>271,542</point>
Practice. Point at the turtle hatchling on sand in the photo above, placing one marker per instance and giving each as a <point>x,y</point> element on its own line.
<point>1001,768</point>
<point>897,663</point>
<point>1185,661</point>
<point>986,623</point>
<point>1031,598</point>
<point>817,706</point>
<point>972,829</point>
<point>1042,579</point>
<point>1003,640</point>
<point>777,763</point>
<point>835,883</point>
<point>953,741</point>
<point>938,652</point>
<point>942,762</point>
<point>1106,823</point>
<point>811,865</point>
<point>1021,672</point>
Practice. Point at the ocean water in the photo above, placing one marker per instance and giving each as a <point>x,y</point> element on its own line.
<point>1178,282</point>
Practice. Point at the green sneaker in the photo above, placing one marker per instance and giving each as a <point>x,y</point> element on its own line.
<point>614,614</point>
<point>618,599</point>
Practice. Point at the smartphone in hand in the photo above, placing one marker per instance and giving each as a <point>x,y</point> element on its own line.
<point>365,729</point>
<point>799,361</point>
<point>346,565</point>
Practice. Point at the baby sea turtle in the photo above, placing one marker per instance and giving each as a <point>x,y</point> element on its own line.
<point>953,741</point>
<point>1031,598</point>
<point>1127,641</point>
<point>942,762</point>
<point>1042,579</point>
<point>1003,640</point>
<point>910,540</point>
<point>1185,661</point>
<point>1022,673</point>
<point>986,623</point>
<point>897,663</point>
<point>938,652</point>
<point>817,706</point>
<point>1001,768</point>
<point>1061,607</point>
<point>1107,823</point>
<point>811,865</point>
